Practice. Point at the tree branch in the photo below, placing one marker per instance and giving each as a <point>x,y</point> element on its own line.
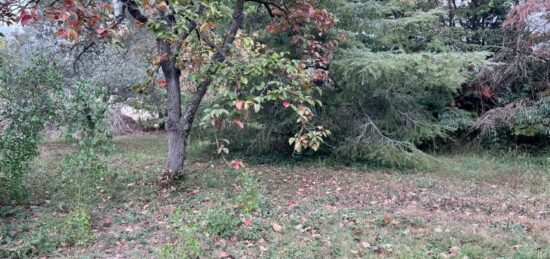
<point>133,9</point>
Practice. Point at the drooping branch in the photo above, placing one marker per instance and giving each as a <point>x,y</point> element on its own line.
<point>133,9</point>
<point>269,5</point>
<point>238,19</point>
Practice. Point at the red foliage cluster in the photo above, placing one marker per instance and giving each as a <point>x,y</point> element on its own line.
<point>311,27</point>
<point>73,18</point>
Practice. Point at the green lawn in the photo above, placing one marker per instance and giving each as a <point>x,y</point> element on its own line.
<point>474,206</point>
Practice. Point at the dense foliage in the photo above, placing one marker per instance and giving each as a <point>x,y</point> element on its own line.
<point>27,101</point>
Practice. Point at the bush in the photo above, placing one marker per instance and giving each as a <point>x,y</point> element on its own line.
<point>26,104</point>
<point>87,126</point>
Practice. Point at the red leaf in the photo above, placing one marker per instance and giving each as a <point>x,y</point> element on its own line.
<point>486,91</point>
<point>239,123</point>
<point>324,59</point>
<point>387,219</point>
<point>25,17</point>
<point>247,222</point>
<point>62,33</point>
<point>101,32</point>
<point>239,105</point>
<point>93,20</point>
<point>162,82</point>
<point>74,23</point>
<point>286,104</point>
<point>236,164</point>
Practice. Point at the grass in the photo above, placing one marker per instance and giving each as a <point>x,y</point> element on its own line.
<point>474,205</point>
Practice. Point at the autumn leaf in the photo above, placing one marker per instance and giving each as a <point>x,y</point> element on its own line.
<point>72,35</point>
<point>453,251</point>
<point>486,91</point>
<point>276,227</point>
<point>101,32</point>
<point>236,164</point>
<point>239,105</point>
<point>162,83</point>
<point>239,123</point>
<point>387,220</point>
<point>69,3</point>
<point>25,17</point>
<point>106,6</point>
<point>247,222</point>
<point>62,33</point>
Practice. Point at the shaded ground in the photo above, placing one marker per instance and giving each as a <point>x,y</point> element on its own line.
<point>475,205</point>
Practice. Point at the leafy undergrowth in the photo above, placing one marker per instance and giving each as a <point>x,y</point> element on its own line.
<point>477,206</point>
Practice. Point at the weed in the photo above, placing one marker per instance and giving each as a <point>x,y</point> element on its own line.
<point>250,197</point>
<point>187,243</point>
<point>222,222</point>
<point>76,228</point>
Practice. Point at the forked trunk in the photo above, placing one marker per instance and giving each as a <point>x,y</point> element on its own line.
<point>179,123</point>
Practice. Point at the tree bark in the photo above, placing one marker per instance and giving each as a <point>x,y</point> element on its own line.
<point>176,145</point>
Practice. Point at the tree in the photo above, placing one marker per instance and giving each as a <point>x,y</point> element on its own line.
<point>196,36</point>
<point>395,82</point>
<point>520,78</point>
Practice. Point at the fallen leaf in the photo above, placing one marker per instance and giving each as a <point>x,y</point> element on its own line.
<point>236,164</point>
<point>453,251</point>
<point>276,227</point>
<point>387,220</point>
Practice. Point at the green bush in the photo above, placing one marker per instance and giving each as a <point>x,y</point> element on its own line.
<point>88,128</point>
<point>26,104</point>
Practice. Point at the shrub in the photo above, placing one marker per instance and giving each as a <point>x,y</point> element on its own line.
<point>87,126</point>
<point>26,104</point>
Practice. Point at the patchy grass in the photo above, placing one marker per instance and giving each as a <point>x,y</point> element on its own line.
<point>475,205</point>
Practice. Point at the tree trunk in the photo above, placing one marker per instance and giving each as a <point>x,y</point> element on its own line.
<point>179,124</point>
<point>174,163</point>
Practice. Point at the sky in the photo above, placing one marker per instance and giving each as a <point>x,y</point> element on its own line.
<point>9,30</point>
